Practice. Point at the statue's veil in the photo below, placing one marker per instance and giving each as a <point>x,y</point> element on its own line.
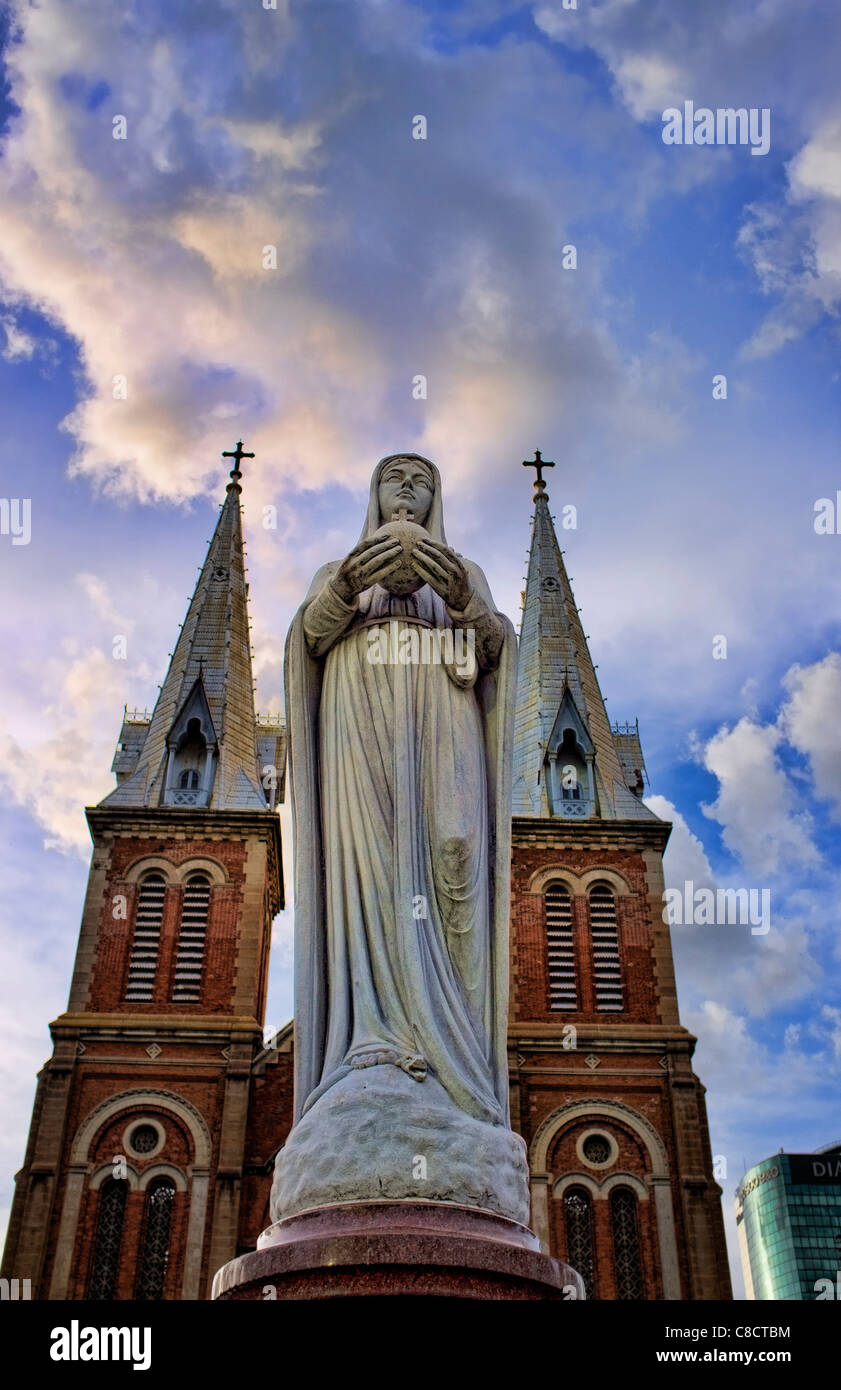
<point>434,523</point>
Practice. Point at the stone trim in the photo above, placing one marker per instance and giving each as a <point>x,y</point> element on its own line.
<point>176,874</point>
<point>579,884</point>
<point>601,1190</point>
<point>163,1170</point>
<point>139,1099</point>
<point>106,1170</point>
<point>602,1133</point>
<point>592,1109</point>
<point>561,834</point>
<point>134,1123</point>
<point>576,1180</point>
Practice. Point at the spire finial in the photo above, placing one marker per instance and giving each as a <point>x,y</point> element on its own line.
<point>237,454</point>
<point>538,463</point>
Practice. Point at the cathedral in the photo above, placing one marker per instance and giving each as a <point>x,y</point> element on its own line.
<point>158,1116</point>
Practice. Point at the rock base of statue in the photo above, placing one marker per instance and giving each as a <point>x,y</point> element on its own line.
<point>397,1249</point>
<point>380,1134</point>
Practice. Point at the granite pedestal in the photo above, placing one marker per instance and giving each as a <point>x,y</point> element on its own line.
<point>398,1249</point>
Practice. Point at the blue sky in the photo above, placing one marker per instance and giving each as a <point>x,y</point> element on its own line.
<point>292,127</point>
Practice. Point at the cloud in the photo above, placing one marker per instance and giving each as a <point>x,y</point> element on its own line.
<point>685,858</point>
<point>61,712</point>
<point>756,806</point>
<point>20,345</point>
<point>149,251</point>
<point>661,54</point>
<point>811,723</point>
<point>43,774</point>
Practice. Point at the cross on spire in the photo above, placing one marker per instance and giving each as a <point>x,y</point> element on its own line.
<point>538,463</point>
<point>237,454</point>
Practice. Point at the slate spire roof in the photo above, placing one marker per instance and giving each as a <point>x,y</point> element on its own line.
<point>209,673</point>
<point>555,669</point>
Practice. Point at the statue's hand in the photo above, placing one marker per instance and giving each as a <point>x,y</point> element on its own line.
<point>368,563</point>
<point>444,572</point>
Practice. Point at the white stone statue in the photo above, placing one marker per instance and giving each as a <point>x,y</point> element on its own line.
<point>400,788</point>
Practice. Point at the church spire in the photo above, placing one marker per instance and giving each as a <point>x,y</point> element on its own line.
<point>200,748</point>
<point>566,760</point>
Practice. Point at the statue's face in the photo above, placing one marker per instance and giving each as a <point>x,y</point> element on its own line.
<point>405,483</point>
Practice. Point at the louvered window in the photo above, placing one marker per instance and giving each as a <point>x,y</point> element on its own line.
<point>154,1257</point>
<point>607,974</point>
<point>147,939</point>
<point>190,959</point>
<point>626,1244</point>
<point>563,991</point>
<point>109,1237</point>
<point>578,1212</point>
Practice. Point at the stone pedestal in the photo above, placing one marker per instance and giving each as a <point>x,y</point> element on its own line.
<point>398,1249</point>
<point>379,1135</point>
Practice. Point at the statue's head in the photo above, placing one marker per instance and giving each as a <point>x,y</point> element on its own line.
<point>410,481</point>
<point>406,480</point>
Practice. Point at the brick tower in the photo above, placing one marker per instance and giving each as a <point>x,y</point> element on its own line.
<point>134,1169</point>
<point>602,1086</point>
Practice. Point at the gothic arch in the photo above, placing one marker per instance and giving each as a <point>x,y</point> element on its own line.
<point>202,864</point>
<point>106,1170</point>
<point>540,881</point>
<point>176,873</point>
<point>657,1182</point>
<point>77,1175</point>
<point>617,882</point>
<point>577,1180</point>
<point>589,1109</point>
<point>578,884</point>
<point>136,1100</point>
<point>625,1180</point>
<point>163,1170</point>
<point>149,862</point>
<point>600,1190</point>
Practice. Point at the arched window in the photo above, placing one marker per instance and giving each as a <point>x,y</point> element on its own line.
<point>143,962</point>
<point>189,775</point>
<point>626,1243</point>
<point>186,987</point>
<point>607,973</point>
<point>157,1226</point>
<point>571,768</point>
<point>105,1265</point>
<point>578,1214</point>
<point>563,991</point>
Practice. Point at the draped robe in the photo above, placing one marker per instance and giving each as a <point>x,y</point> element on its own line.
<point>400,795</point>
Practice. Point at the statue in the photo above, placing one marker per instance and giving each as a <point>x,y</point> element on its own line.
<point>400,690</point>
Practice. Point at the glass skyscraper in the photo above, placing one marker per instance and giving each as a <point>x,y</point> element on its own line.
<point>788,1214</point>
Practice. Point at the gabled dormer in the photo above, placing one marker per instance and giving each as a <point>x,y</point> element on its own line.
<point>568,764</point>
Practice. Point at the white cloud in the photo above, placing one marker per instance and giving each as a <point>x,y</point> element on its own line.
<point>811,721</point>
<point>43,774</point>
<point>649,83</point>
<point>756,807</point>
<point>20,346</point>
<point>816,170</point>
<point>685,859</point>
